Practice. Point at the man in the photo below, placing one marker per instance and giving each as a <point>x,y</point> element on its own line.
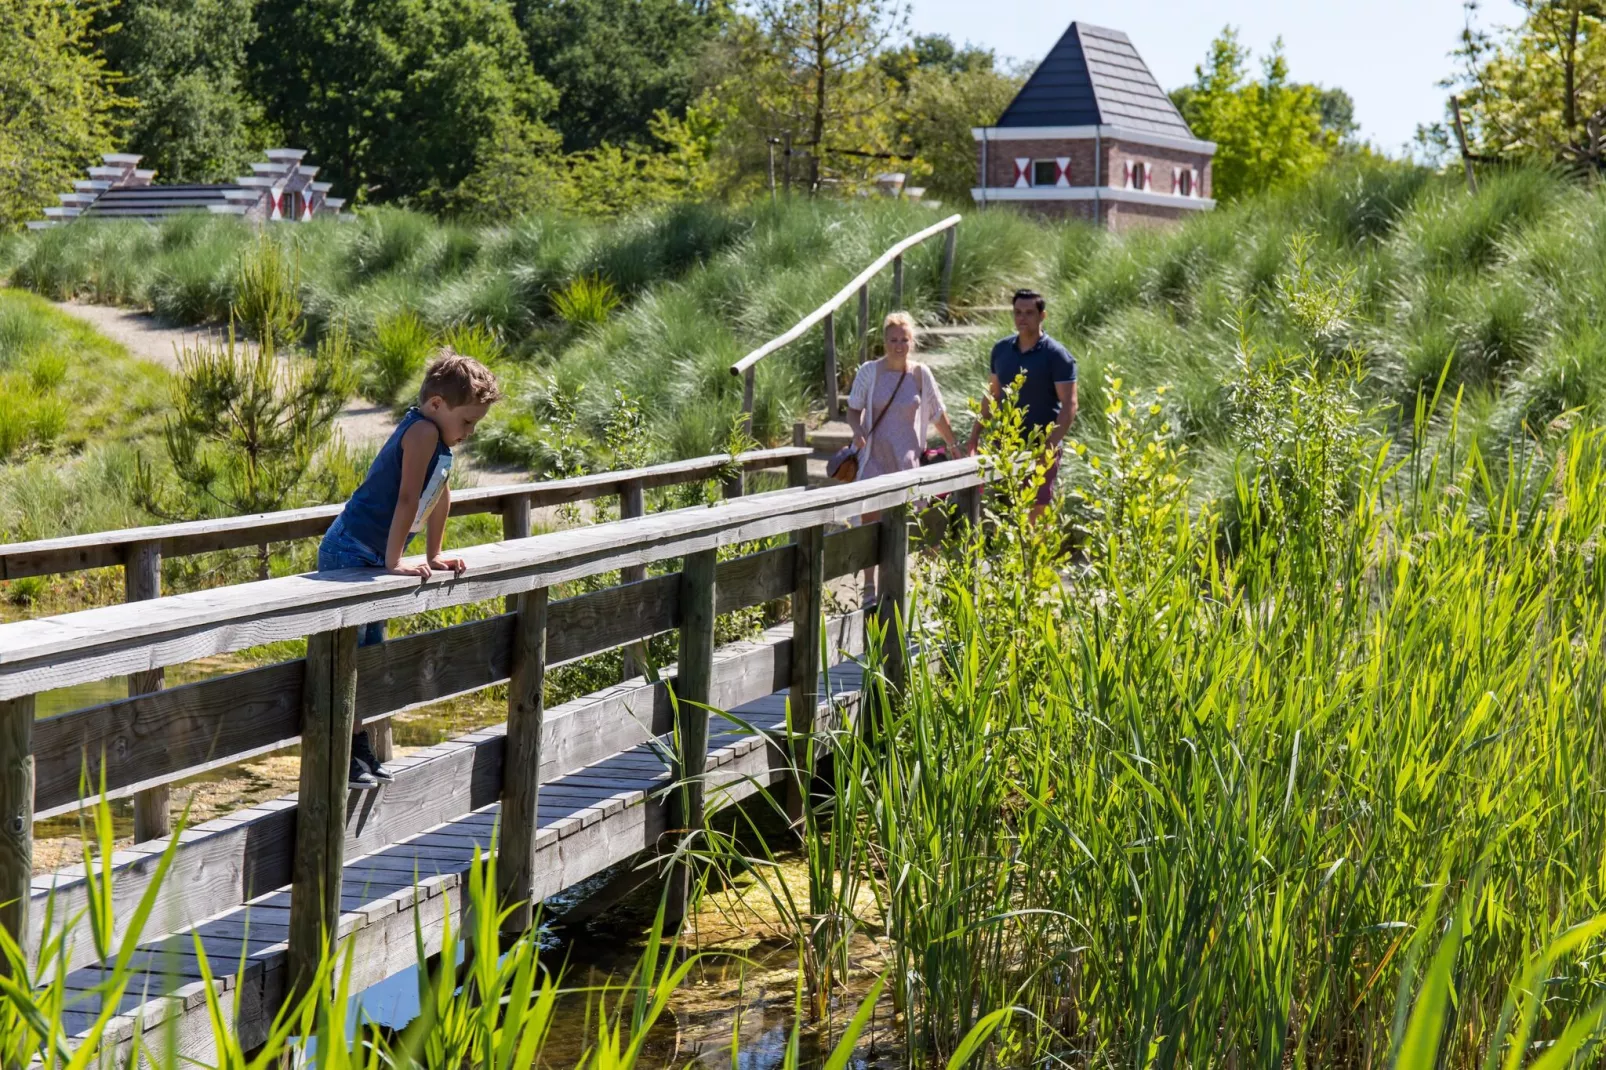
<point>1048,395</point>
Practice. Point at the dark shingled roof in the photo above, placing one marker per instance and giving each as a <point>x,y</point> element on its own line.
<point>157,202</point>
<point>1094,76</point>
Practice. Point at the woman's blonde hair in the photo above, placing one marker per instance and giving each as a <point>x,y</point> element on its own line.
<point>904,320</point>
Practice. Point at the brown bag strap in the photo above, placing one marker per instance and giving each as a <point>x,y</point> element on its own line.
<point>877,422</point>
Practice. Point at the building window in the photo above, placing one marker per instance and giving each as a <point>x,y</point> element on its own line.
<point>1045,173</point>
<point>1185,183</point>
<point>1140,176</point>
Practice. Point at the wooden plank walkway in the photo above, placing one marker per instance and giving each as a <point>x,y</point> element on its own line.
<point>589,820</point>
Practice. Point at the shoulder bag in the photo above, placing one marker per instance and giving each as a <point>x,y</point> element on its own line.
<point>844,463</point>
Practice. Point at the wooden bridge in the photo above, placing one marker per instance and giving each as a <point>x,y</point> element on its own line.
<point>572,790</point>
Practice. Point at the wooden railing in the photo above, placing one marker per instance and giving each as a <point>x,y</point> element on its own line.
<point>826,313</point>
<point>314,701</point>
<point>140,550</point>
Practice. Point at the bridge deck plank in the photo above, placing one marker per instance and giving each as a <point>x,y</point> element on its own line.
<point>619,792</point>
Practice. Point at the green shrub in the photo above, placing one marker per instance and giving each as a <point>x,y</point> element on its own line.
<point>585,302</point>
<point>393,357</point>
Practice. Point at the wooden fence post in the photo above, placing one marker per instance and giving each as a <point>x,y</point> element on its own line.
<point>142,579</point>
<point>897,281</point>
<point>521,763</point>
<point>864,323</point>
<point>328,708</point>
<point>808,597</point>
<point>797,468</point>
<point>893,609</point>
<point>747,397</point>
<point>16,816</point>
<point>948,269</point>
<point>832,410</point>
<point>632,503</point>
<point>693,686</point>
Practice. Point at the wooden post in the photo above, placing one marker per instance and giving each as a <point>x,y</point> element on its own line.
<point>328,708</point>
<point>515,525</point>
<point>693,686</point>
<point>16,815</point>
<point>864,323</point>
<point>808,595</point>
<point>967,509</point>
<point>142,579</point>
<point>797,468</point>
<point>734,485</point>
<point>521,763</point>
<point>632,503</point>
<point>897,281</point>
<point>747,396</point>
<point>893,609</point>
<point>948,269</point>
<point>832,410</point>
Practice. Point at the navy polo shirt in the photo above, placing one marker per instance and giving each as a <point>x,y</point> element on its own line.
<point>1044,365</point>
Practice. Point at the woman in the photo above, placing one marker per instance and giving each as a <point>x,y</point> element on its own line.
<point>892,407</point>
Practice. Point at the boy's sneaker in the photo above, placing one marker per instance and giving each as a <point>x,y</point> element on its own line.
<point>363,754</point>
<point>359,779</point>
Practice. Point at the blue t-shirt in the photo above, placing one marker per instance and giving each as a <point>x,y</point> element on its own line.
<point>1044,365</point>
<point>366,517</point>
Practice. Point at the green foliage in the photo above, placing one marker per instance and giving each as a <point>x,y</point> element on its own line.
<point>617,66</point>
<point>942,109</point>
<point>268,294</point>
<point>182,69</point>
<point>398,99</point>
<point>393,357</point>
<point>585,302</point>
<point>1267,133</point>
<point>58,107</point>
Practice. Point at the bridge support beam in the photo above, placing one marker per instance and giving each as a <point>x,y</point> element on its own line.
<point>808,597</point>
<point>893,609</point>
<point>692,688</point>
<point>16,816</point>
<point>633,503</point>
<point>142,579</point>
<point>329,707</point>
<point>521,762</point>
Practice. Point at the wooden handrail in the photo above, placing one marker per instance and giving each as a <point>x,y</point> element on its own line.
<point>858,286</point>
<point>73,553</point>
<point>93,644</point>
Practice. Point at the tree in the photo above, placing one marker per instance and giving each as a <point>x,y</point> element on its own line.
<point>1267,132</point>
<point>615,65</point>
<point>182,64</point>
<point>809,70</point>
<point>58,107</point>
<point>252,432</point>
<point>948,93</point>
<point>398,99</point>
<point>1538,90</point>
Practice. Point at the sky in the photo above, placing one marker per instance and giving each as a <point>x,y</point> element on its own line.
<point>1388,54</point>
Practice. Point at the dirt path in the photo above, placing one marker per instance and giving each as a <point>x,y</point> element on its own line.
<point>363,426</point>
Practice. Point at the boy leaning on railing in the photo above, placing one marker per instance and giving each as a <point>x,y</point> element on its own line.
<point>405,491</point>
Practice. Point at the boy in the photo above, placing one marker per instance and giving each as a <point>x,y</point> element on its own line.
<point>405,490</point>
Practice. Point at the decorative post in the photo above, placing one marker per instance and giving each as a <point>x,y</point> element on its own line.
<point>693,686</point>
<point>142,579</point>
<point>16,816</point>
<point>833,411</point>
<point>521,762</point>
<point>329,707</point>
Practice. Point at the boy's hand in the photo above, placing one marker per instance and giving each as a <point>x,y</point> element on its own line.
<point>455,565</point>
<point>420,570</point>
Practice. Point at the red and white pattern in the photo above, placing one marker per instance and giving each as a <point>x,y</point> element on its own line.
<point>1062,171</point>
<point>1023,172</point>
<point>276,204</point>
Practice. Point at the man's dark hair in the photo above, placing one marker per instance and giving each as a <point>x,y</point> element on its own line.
<point>1028,295</point>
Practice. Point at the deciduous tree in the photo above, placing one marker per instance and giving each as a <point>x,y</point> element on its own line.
<point>58,107</point>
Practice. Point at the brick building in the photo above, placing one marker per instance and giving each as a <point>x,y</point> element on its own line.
<point>279,189</point>
<point>1091,134</point>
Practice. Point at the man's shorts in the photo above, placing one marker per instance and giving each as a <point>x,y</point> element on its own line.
<point>1045,493</point>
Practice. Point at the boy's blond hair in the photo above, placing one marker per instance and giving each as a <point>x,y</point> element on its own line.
<point>458,380</point>
<point>904,320</point>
